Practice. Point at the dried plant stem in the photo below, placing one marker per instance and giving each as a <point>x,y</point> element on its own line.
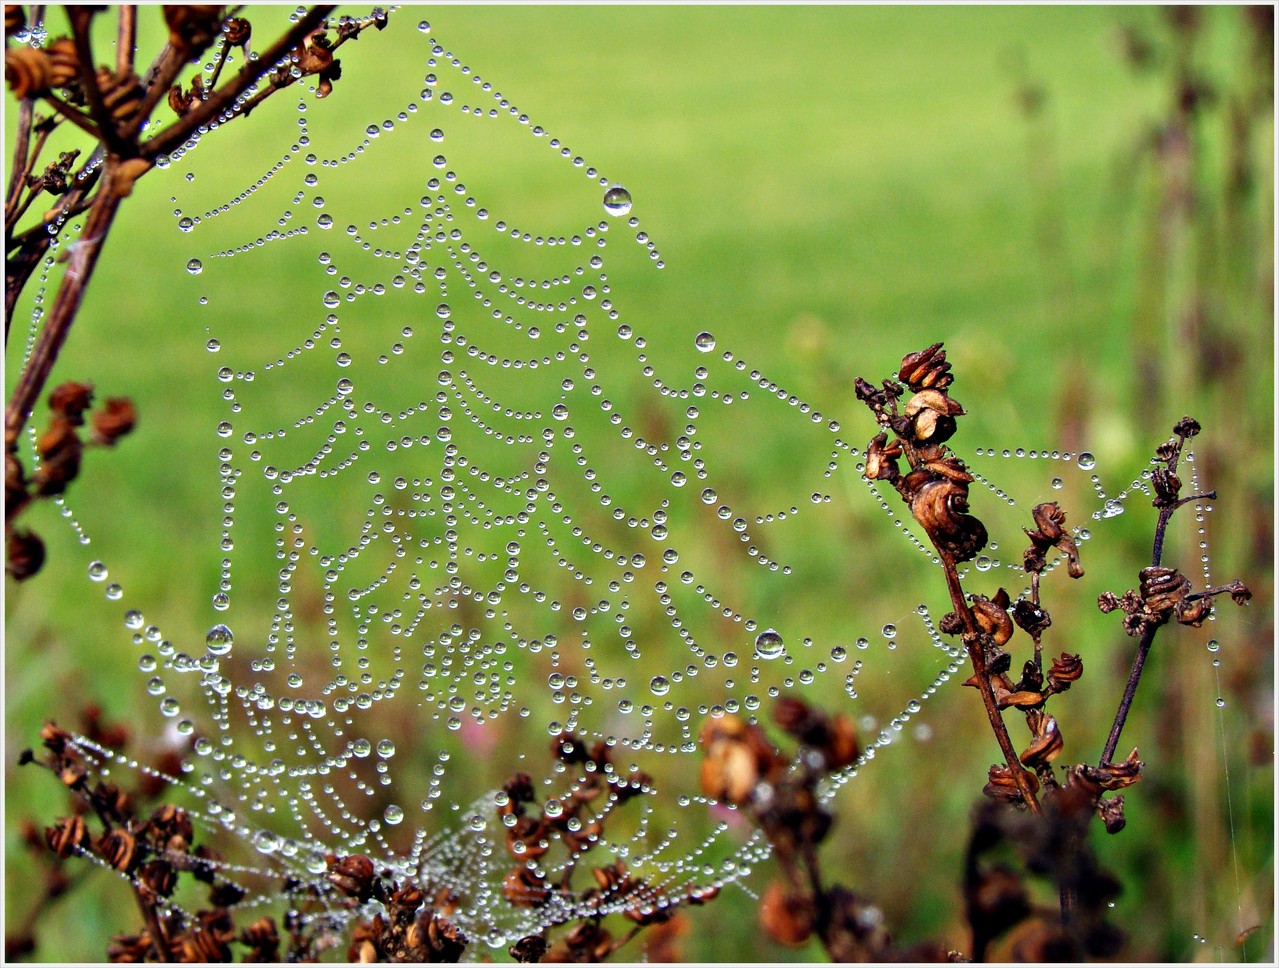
<point>977,655</point>
<point>158,941</point>
<point>53,334</point>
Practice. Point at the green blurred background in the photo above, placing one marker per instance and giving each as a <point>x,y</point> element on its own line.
<point>1078,200</point>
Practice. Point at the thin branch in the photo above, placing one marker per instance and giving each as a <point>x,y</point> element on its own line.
<point>23,159</point>
<point>126,39</point>
<point>81,20</point>
<point>84,258</point>
<point>224,97</point>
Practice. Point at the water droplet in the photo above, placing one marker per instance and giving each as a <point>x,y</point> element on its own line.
<point>195,267</point>
<point>553,808</point>
<point>393,814</point>
<point>1058,483</point>
<point>768,644</point>
<point>660,685</point>
<point>983,563</point>
<point>97,571</point>
<point>213,346</point>
<point>704,342</point>
<point>617,201</point>
<point>889,631</point>
<point>1213,645</point>
<point>1220,702</point>
<point>219,640</point>
<point>1087,461</point>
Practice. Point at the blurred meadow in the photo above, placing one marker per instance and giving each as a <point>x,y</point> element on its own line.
<point>1077,200</point>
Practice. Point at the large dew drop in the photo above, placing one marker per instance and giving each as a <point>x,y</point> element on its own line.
<point>768,644</point>
<point>704,342</point>
<point>617,200</point>
<point>219,640</point>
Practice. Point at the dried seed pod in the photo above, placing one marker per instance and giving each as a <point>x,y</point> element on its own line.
<point>236,32</point>
<point>1115,776</point>
<point>1111,812</point>
<point>67,835</point>
<point>992,616</point>
<point>1193,613</point>
<point>738,756</point>
<point>122,94</point>
<point>1047,742</point>
<point>192,27</point>
<point>881,459</point>
<point>70,400</point>
<point>525,889</point>
<point>1065,670</point>
<point>27,71</point>
<point>353,875</point>
<point>158,877</point>
<point>786,919</point>
<point>527,839</point>
<point>926,368</point>
<point>1002,785</point>
<point>24,554</point>
<point>118,848</point>
<point>940,507</point>
<point>116,418</point>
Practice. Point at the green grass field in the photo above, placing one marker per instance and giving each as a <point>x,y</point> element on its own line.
<point>829,188</point>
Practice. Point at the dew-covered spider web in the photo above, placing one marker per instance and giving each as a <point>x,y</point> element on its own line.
<point>468,504</point>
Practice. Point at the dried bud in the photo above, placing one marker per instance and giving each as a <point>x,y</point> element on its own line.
<point>1065,670</point>
<point>1046,744</point>
<point>1050,532</point>
<point>881,459</point>
<point>70,400</point>
<point>951,468</point>
<point>926,368</point>
<point>786,919</point>
<point>444,942</point>
<point>526,839</point>
<point>529,950</point>
<point>992,616</point>
<point>122,94</point>
<point>568,748</point>
<point>940,506</point>
<point>67,835</point>
<point>1186,428</point>
<point>1002,785</point>
<point>842,746</point>
<point>525,889</point>
<point>1115,776</point>
<point>353,875</point>
<point>119,849</point>
<point>738,756</point>
<point>182,102</point>
<point>1111,812</point>
<point>158,877</point>
<point>1194,612</point>
<point>24,554</point>
<point>27,71</point>
<point>116,418</point>
<point>236,32</point>
<point>1161,589</point>
<point>192,27</point>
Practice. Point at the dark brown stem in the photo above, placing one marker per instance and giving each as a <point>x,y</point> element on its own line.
<point>1130,690</point>
<point>126,39</point>
<point>972,638</point>
<point>158,941</point>
<point>224,97</point>
<point>84,258</point>
<point>23,159</point>
<point>81,20</point>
